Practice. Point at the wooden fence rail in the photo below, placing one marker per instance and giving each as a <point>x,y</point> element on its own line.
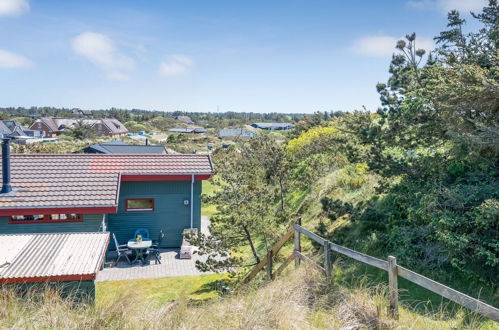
<point>395,271</point>
<point>390,266</point>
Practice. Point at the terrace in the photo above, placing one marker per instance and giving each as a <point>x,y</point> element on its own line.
<point>171,265</point>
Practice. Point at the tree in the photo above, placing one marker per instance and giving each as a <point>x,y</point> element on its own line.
<point>81,131</point>
<point>250,204</point>
<point>474,48</point>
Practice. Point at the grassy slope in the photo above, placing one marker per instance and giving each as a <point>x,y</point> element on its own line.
<point>208,189</point>
<point>348,270</point>
<point>299,299</point>
<point>161,290</point>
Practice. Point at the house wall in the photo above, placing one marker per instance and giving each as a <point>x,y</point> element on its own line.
<point>90,223</point>
<point>170,214</point>
<point>40,126</point>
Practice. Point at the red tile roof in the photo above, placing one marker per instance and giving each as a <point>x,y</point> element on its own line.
<point>87,180</point>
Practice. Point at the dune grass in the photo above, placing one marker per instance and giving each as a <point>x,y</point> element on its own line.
<point>299,299</point>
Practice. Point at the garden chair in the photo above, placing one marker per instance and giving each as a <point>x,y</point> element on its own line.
<point>144,232</point>
<point>121,250</point>
<point>157,243</point>
<point>153,251</point>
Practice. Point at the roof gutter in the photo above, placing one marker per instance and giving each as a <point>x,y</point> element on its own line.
<point>165,176</point>
<point>93,209</point>
<point>192,202</point>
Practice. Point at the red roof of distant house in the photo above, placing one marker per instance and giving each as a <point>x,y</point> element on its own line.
<point>53,181</point>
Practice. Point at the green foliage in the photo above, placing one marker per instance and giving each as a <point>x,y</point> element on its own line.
<point>335,208</point>
<point>135,127</point>
<point>81,131</point>
<point>433,149</point>
<point>250,198</point>
<point>315,140</point>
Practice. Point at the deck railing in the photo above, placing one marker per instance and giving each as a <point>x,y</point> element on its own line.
<point>389,265</point>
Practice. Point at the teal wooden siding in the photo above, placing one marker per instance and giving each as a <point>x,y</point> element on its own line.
<point>91,223</point>
<point>170,214</point>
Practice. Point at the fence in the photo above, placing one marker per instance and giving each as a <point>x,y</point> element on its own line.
<point>389,265</point>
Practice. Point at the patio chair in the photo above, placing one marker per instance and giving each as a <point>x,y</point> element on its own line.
<point>153,251</point>
<point>121,250</point>
<point>144,232</point>
<point>157,243</point>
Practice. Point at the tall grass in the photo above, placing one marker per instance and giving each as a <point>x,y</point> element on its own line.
<point>299,300</point>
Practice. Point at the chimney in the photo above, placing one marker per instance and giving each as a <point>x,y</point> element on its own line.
<point>6,187</point>
<point>147,141</point>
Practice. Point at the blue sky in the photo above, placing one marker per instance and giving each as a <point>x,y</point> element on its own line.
<point>260,56</point>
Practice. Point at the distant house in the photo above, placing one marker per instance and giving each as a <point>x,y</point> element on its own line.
<point>67,262</point>
<point>55,126</point>
<point>236,132</point>
<point>11,128</point>
<point>185,119</point>
<point>119,147</point>
<point>199,130</point>
<point>273,126</point>
<point>187,130</point>
<point>86,113</point>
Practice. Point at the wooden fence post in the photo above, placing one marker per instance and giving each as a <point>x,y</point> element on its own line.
<point>327,259</point>
<point>269,266</point>
<point>297,244</point>
<point>393,284</point>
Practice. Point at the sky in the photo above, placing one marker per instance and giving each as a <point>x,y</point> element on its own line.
<point>292,56</point>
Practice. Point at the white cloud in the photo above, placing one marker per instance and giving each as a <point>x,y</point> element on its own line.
<point>101,50</point>
<point>384,46</point>
<point>10,60</point>
<point>13,7</point>
<point>463,6</point>
<point>176,65</point>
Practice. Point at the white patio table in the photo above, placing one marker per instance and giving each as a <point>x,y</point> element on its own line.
<point>139,248</point>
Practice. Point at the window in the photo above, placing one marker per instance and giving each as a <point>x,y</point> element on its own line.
<point>139,204</point>
<point>44,218</point>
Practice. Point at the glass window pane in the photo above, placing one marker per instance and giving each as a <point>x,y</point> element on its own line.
<point>139,204</point>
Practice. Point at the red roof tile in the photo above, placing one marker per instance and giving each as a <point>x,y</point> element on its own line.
<point>87,180</point>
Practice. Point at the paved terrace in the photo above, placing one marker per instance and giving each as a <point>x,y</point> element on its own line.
<point>171,265</point>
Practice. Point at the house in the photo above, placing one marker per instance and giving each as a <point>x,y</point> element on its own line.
<point>185,119</point>
<point>119,147</point>
<point>55,126</point>
<point>236,132</point>
<point>86,113</point>
<point>273,126</point>
<point>12,128</point>
<point>63,193</point>
<point>67,262</point>
<point>196,130</point>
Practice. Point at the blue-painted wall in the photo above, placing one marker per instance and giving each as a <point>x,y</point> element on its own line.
<point>170,214</point>
<point>90,223</point>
